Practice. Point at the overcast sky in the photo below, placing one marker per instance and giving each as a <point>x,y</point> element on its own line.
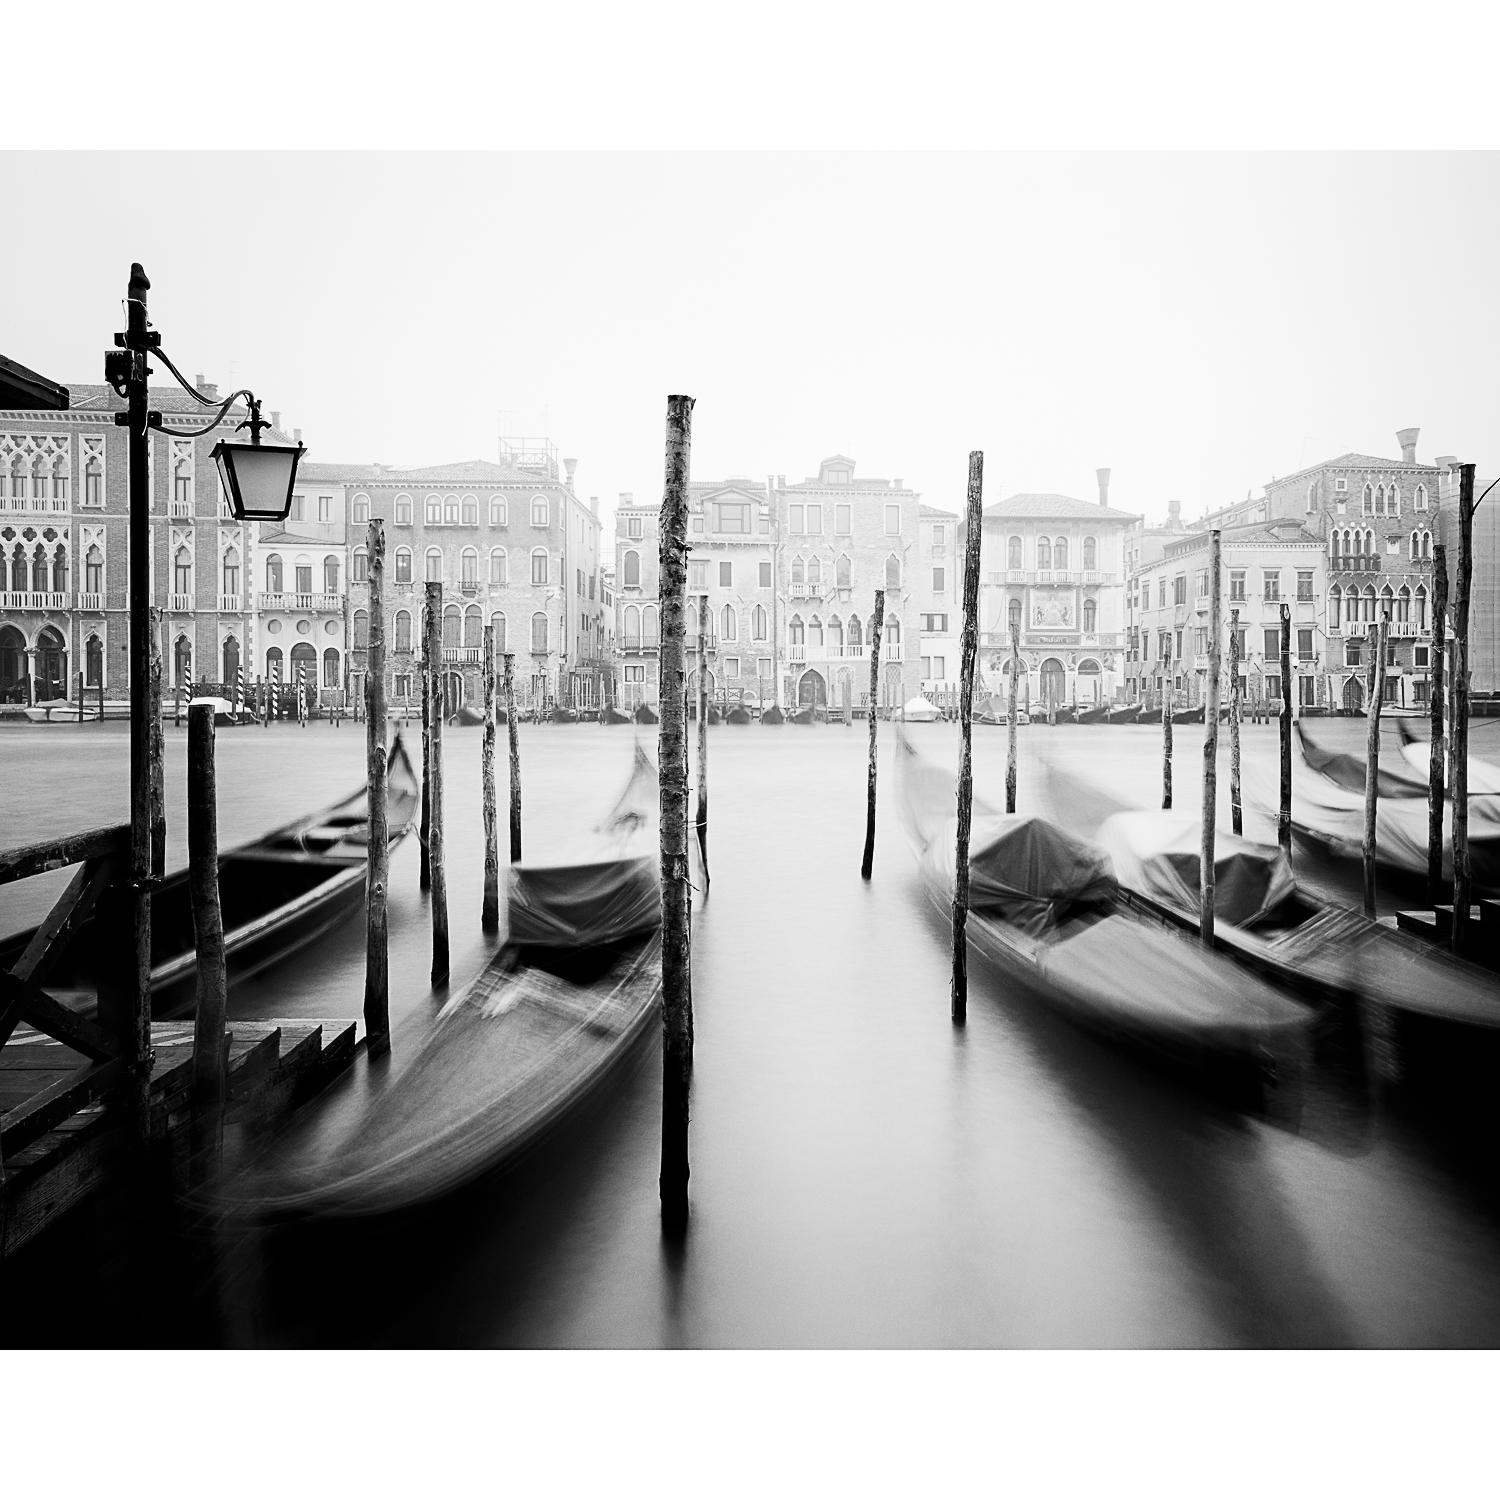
<point>1197,322</point>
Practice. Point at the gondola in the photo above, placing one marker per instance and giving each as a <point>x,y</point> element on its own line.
<point>1095,715</point>
<point>1124,713</point>
<point>1045,909</point>
<point>1310,947</point>
<point>739,714</point>
<point>59,711</point>
<point>773,715</point>
<point>1328,808</point>
<point>278,893</point>
<point>561,1004</point>
<point>614,716</point>
<point>1188,715</point>
<point>645,714</point>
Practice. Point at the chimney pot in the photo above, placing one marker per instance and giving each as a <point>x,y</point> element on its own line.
<point>275,419</point>
<point>569,464</point>
<point>1407,437</point>
<point>627,497</point>
<point>1103,485</point>
<point>1444,460</point>
<point>296,434</point>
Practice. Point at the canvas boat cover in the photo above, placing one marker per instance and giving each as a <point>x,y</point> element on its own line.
<point>918,711</point>
<point>1159,854</point>
<point>606,887</point>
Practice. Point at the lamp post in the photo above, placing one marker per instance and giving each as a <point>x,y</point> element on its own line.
<point>255,475</point>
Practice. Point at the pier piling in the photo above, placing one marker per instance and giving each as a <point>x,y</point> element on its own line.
<point>676,974</point>
<point>1236,811</point>
<point>1206,870</point>
<point>514,740</point>
<point>702,818</point>
<point>377,1008</point>
<point>968,651</point>
<point>1436,777</point>
<point>207,1133</point>
<point>1010,719</point>
<point>1459,773</point>
<point>1166,726</point>
<point>433,631</point>
<point>1284,815</point>
<point>1372,758</point>
<point>489,915</point>
<point>876,627</point>
<point>424,862</point>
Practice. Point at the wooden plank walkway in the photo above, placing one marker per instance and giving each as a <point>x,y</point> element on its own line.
<point>274,1066</point>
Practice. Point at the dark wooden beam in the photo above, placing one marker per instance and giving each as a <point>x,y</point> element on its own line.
<point>72,909</point>
<point>54,854</point>
<point>23,1000</point>
<point>48,1109</point>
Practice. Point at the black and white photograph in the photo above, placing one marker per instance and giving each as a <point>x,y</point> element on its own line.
<point>803,737</point>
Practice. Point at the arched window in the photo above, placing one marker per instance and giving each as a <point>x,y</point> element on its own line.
<point>359,566</point>
<point>434,573</point>
<point>473,628</point>
<point>893,633</point>
<point>835,637</point>
<point>93,572</point>
<point>631,578</point>
<point>632,624</point>
<point>1421,498</point>
<point>330,575</point>
<point>403,630</point>
<point>1060,553</point>
<point>182,661</point>
<point>539,565</point>
<point>39,569</point>
<point>450,510</point>
<point>330,668</point>
<point>1426,544</point>
<point>274,672</point>
<point>758,623</point>
<point>1312,497</point>
<point>1379,499</point>
<point>1403,605</point>
<point>728,624</point>
<point>841,572</point>
<point>795,632</point>
<point>93,661</point>
<point>273,574</point>
<point>1013,554</point>
<point>540,510</point>
<point>539,632</point>
<point>815,575</point>
<point>403,510</point>
<point>470,510</point>
<point>498,516</point>
<point>1090,554</point>
<point>1090,614</point>
<point>1043,553</point>
<point>1387,602</point>
<point>1421,607</point>
<point>650,626</point>
<point>452,628</point>
<point>60,570</point>
<point>799,572</point>
<point>359,511</point>
<point>1369,602</point>
<point>856,641</point>
<point>182,572</point>
<point>1368,498</point>
<point>815,634</point>
<point>469,565</point>
<point>1013,616</point>
<point>497,565</point>
<point>304,574</point>
<point>1335,605</point>
<point>403,564</point>
<point>362,629</point>
<point>497,624</point>
<point>182,487</point>
<point>432,511</point>
<point>892,571</point>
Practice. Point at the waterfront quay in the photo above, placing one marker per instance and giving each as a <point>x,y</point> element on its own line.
<point>864,1174</point>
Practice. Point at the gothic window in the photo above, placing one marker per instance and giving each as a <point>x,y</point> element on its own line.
<point>1335,604</point>
<point>1403,605</point>
<point>231,571</point>
<point>893,572</point>
<point>231,657</point>
<point>93,662</point>
<point>856,634</point>
<point>60,570</point>
<point>728,626</point>
<point>182,572</point>
<point>815,633</point>
<point>893,632</point>
<point>1421,599</point>
<point>794,630</point>
<point>841,571</point>
<point>93,571</point>
<point>799,571</point>
<point>758,623</point>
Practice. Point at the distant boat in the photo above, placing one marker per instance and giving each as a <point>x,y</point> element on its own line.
<point>614,716</point>
<point>918,711</point>
<point>773,715</point>
<point>1188,715</point>
<point>739,714</point>
<point>1095,715</point>
<point>58,711</point>
<point>1124,713</point>
<point>645,714</point>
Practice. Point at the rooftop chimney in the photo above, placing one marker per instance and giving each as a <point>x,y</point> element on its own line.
<point>1407,437</point>
<point>1444,460</point>
<point>206,388</point>
<point>1103,485</point>
<point>1174,515</point>
<point>570,464</point>
<point>627,497</point>
<point>275,419</point>
<point>296,434</point>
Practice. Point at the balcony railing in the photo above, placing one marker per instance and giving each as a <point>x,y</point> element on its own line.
<point>179,510</point>
<point>324,603</point>
<point>91,601</point>
<point>30,506</point>
<point>806,652</point>
<point>463,655</point>
<point>230,604</point>
<point>180,604</point>
<point>1354,564</point>
<point>30,599</point>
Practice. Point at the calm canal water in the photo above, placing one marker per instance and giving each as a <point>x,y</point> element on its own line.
<point>864,1175</point>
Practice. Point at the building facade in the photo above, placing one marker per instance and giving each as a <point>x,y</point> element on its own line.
<point>940,599</point>
<point>1054,568</point>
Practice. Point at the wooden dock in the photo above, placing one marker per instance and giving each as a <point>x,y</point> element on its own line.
<point>58,1147</point>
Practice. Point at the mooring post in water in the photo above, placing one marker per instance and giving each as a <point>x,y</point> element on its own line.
<point>1284,815</point>
<point>1436,779</point>
<point>433,631</point>
<point>80,697</point>
<point>702,819</point>
<point>1166,723</point>
<point>676,976</point>
<point>1236,812</point>
<point>967,652</point>
<point>424,827</point>
<point>207,1129</point>
<point>378,854</point>
<point>1461,673</point>
<point>513,736</point>
<point>489,915</point>
<point>1372,757</point>
<point>1210,746</point>
<point>158,759</point>
<point>1010,719</point>
<point>101,697</point>
<point>868,863</point>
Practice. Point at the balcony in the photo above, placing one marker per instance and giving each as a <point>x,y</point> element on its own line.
<point>31,599</point>
<point>180,604</point>
<point>94,602</point>
<point>321,603</point>
<point>230,604</point>
<point>30,506</point>
<point>1354,564</point>
<point>469,656</point>
<point>180,510</point>
<point>1402,629</point>
<point>469,587</point>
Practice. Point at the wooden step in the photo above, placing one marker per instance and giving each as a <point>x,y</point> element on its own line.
<point>1489,921</point>
<point>1420,924</point>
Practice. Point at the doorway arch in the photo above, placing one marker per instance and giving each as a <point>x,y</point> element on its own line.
<point>1054,683</point>
<point>12,665</point>
<point>812,690</point>
<point>51,664</point>
<point>1354,696</point>
<point>1089,679</point>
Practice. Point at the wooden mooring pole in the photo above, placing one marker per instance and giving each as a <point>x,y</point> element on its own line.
<point>1461,673</point>
<point>1284,813</point>
<point>424,828</point>
<point>433,651</point>
<point>207,1130</point>
<point>967,652</point>
<point>489,913</point>
<point>513,736</point>
<point>1436,777</point>
<point>80,697</point>
<point>158,758</point>
<point>702,818</point>
<point>1010,720</point>
<point>1206,870</point>
<point>378,853</point>
<point>1236,810</point>
<point>1166,726</point>
<point>868,863</point>
<point>676,974</point>
<point>1372,758</point>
